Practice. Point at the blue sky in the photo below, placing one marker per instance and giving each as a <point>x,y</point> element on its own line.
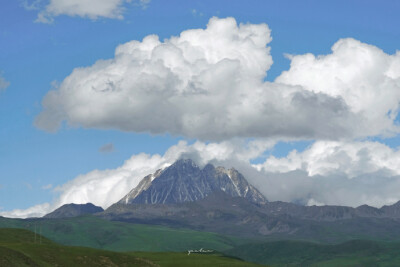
<point>35,55</point>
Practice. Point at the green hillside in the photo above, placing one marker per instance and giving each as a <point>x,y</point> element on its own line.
<point>90,231</point>
<point>166,246</point>
<point>179,259</point>
<point>297,253</point>
<point>17,248</point>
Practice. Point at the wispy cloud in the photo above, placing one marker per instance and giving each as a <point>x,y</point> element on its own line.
<point>32,5</point>
<point>3,83</point>
<point>28,185</point>
<point>35,211</point>
<point>107,148</point>
<point>196,13</point>
<point>143,3</point>
<point>92,9</point>
<point>47,187</point>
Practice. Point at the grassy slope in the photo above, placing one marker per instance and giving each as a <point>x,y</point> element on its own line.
<point>297,253</point>
<point>176,259</point>
<point>118,236</point>
<point>17,248</point>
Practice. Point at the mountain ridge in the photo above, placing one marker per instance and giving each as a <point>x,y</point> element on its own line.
<point>184,181</point>
<point>74,210</point>
<point>221,200</point>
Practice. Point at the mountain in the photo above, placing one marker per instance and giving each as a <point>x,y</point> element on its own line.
<point>331,213</point>
<point>74,210</point>
<point>184,181</point>
<point>218,200</point>
<point>236,216</point>
<point>218,212</point>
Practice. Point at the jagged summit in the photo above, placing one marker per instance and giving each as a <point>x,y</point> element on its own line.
<point>184,181</point>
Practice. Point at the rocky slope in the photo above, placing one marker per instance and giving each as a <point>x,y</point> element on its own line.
<point>184,181</point>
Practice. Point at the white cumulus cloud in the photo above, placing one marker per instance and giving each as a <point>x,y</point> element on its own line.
<point>349,158</point>
<point>209,84</point>
<point>365,77</point>
<point>335,173</point>
<point>92,9</point>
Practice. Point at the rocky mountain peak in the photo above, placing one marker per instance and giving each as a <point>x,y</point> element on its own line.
<point>185,181</point>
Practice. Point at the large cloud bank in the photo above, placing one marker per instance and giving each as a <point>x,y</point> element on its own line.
<point>209,84</point>
<point>335,173</point>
